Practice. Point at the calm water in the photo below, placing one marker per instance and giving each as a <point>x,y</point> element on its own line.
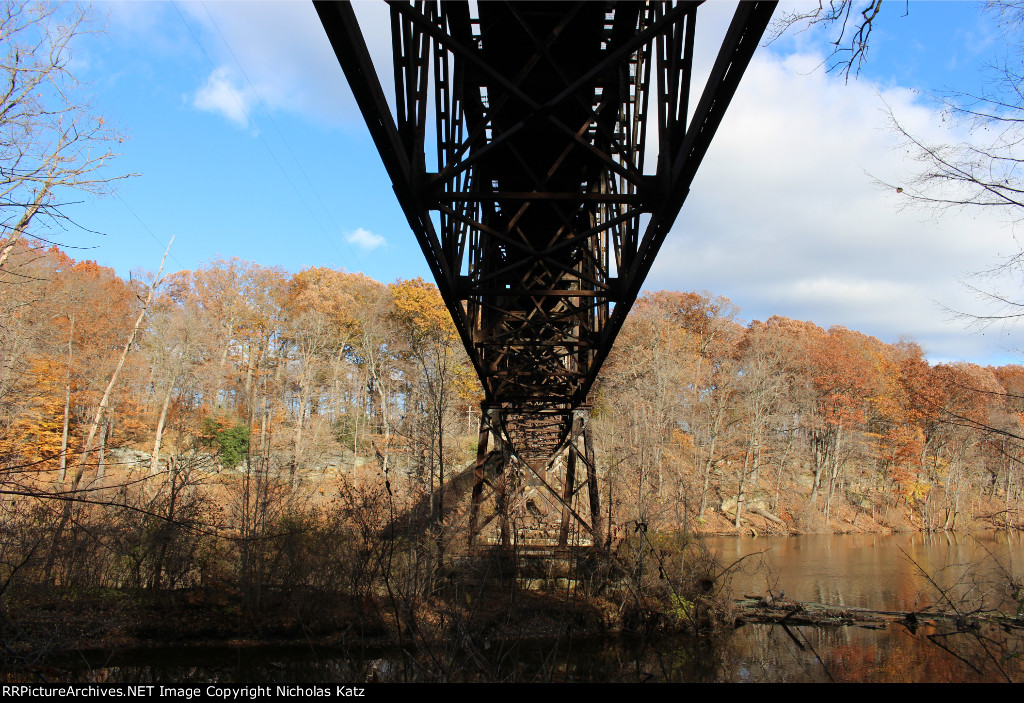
<point>880,572</point>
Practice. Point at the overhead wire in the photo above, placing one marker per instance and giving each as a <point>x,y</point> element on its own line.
<point>280,134</point>
<point>242,108</point>
<point>150,231</point>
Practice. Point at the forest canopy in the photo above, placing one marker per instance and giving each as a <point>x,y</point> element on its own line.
<point>324,374</point>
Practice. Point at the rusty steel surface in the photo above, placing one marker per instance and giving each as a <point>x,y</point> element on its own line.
<point>518,149</point>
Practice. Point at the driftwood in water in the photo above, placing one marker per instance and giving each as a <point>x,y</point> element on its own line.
<point>788,612</point>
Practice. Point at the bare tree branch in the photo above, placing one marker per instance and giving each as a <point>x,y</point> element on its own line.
<point>51,141</point>
<point>854,22</point>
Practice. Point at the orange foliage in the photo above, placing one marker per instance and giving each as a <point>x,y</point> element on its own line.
<point>710,320</point>
<point>34,433</point>
<point>327,292</point>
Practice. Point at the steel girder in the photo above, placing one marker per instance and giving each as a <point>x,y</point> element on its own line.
<point>517,150</point>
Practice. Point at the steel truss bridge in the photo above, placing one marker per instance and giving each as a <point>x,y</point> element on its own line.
<point>522,152</point>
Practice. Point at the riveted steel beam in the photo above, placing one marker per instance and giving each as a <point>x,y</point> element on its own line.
<point>533,202</point>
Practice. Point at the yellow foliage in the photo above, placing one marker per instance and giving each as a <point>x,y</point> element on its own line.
<point>327,292</point>
<point>421,310</point>
<point>917,490</point>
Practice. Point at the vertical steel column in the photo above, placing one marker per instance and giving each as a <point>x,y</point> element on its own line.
<point>501,494</point>
<point>478,474</point>
<point>595,499</point>
<point>568,491</point>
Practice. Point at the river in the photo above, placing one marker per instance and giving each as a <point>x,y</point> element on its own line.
<point>908,572</point>
<point>880,572</point>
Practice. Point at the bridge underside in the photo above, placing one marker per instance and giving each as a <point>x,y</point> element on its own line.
<point>520,150</point>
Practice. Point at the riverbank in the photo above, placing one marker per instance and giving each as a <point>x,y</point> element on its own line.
<point>791,512</point>
<point>110,619</point>
<point>468,605</point>
<point>46,636</point>
<point>484,626</point>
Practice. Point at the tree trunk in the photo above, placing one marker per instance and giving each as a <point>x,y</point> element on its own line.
<point>101,453</point>
<point>154,460</point>
<point>833,471</point>
<point>222,364</point>
<point>297,455</point>
<point>26,218</point>
<point>94,426</point>
<point>710,462</point>
<point>782,465</point>
<point>385,457</point>
<point>165,530</point>
<point>67,408</point>
<point>820,456</point>
<point>739,493</point>
<point>250,367</point>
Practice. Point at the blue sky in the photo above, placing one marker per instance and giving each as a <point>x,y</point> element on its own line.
<point>248,144</point>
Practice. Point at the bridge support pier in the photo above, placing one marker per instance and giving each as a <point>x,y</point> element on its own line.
<point>568,491</point>
<point>478,475</point>
<point>581,434</point>
<point>497,461</point>
<point>497,468</point>
<point>595,499</point>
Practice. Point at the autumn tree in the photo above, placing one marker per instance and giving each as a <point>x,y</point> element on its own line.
<point>374,353</point>
<point>1005,443</point>
<point>972,412</point>
<point>445,378</point>
<point>22,338</point>
<point>320,325</point>
<point>906,415</point>
<point>761,389</point>
<point>69,314</point>
<point>710,322</point>
<point>665,396</point>
<point>641,392</point>
<point>31,434</point>
<point>843,366</point>
<point>179,348</point>
<point>97,308</point>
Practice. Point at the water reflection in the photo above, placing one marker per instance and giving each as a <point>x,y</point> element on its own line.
<point>766,653</point>
<point>754,653</point>
<point>880,572</point>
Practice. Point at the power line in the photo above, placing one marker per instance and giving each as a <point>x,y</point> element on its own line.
<point>270,151</point>
<point>280,134</point>
<point>151,232</point>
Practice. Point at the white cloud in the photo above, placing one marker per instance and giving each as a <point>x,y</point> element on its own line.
<point>784,218</point>
<point>222,96</point>
<point>365,239</point>
<point>280,51</point>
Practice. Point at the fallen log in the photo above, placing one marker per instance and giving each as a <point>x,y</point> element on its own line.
<point>789,612</point>
<point>765,514</point>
